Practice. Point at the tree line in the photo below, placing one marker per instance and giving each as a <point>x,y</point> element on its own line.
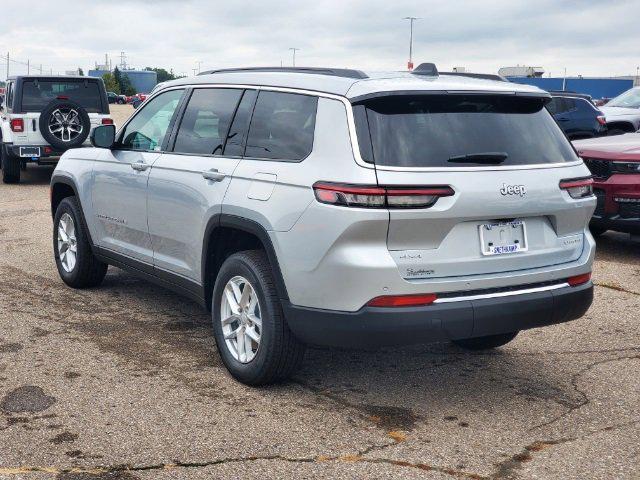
<point>118,81</point>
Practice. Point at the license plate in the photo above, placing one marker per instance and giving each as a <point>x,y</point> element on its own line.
<point>503,238</point>
<point>30,152</point>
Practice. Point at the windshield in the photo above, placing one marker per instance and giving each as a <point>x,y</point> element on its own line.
<point>458,130</point>
<point>629,99</point>
<point>36,94</point>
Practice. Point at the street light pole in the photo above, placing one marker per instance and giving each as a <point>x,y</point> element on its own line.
<point>294,49</point>
<point>411,20</point>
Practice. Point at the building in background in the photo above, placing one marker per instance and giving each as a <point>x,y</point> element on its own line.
<point>521,71</point>
<point>142,80</point>
<point>597,87</point>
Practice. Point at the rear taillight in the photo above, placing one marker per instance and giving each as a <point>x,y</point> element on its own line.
<point>107,121</point>
<point>403,300</point>
<point>601,119</point>
<point>17,125</point>
<point>379,197</point>
<point>579,279</point>
<point>578,188</point>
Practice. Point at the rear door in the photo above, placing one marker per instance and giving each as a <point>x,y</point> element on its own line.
<point>504,157</point>
<point>188,183</point>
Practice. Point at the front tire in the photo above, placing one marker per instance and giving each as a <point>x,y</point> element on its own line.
<point>597,231</point>
<point>10,167</point>
<point>77,265</point>
<point>252,335</point>
<point>486,343</point>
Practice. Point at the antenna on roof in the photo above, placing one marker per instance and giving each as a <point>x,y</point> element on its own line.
<point>427,69</point>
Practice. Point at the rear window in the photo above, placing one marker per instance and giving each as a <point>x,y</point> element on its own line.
<point>36,94</point>
<point>459,130</point>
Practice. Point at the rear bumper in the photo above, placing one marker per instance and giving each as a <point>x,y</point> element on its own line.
<point>45,157</point>
<point>375,327</point>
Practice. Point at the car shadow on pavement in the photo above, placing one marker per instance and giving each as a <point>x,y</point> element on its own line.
<point>36,175</point>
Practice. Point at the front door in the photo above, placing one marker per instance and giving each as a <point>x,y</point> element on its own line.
<point>119,193</point>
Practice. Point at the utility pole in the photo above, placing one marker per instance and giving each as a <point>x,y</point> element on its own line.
<point>194,71</point>
<point>40,69</point>
<point>199,63</point>
<point>564,80</point>
<point>411,20</point>
<point>28,67</point>
<point>294,50</point>
<point>637,76</point>
<point>7,64</point>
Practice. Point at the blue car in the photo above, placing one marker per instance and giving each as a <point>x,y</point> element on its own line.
<point>577,116</point>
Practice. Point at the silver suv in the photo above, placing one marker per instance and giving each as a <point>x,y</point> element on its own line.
<point>334,207</point>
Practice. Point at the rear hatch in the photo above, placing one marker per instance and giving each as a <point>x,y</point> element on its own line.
<point>503,156</point>
<point>38,93</point>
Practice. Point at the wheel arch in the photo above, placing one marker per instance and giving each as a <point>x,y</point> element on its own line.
<point>227,234</point>
<point>62,187</point>
<point>623,125</point>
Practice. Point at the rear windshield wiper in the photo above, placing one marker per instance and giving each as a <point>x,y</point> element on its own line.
<point>486,158</point>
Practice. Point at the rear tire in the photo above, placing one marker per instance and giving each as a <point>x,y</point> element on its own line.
<point>278,353</point>
<point>10,167</point>
<point>486,343</point>
<point>86,270</point>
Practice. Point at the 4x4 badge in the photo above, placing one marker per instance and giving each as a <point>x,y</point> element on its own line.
<point>513,190</point>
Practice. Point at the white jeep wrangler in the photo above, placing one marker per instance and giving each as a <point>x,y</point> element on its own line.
<point>42,117</point>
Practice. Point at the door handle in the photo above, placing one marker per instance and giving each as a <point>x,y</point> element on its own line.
<point>214,175</point>
<point>139,166</point>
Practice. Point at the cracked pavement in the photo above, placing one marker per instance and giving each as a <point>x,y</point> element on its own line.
<point>124,382</point>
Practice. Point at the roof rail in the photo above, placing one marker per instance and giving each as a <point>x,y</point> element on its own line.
<point>429,69</point>
<point>483,76</point>
<point>334,72</point>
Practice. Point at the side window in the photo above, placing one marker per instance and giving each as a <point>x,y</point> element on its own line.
<point>282,126</point>
<point>147,130</point>
<point>552,106</point>
<point>570,104</point>
<point>206,121</point>
<point>240,126</point>
<point>9,93</point>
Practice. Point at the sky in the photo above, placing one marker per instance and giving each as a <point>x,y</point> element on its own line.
<point>589,38</point>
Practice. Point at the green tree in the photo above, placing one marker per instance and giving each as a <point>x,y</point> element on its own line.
<point>124,82</point>
<point>80,72</point>
<point>110,82</point>
<point>163,75</point>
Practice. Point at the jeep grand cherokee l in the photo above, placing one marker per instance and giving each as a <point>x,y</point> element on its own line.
<point>333,207</point>
<point>44,116</point>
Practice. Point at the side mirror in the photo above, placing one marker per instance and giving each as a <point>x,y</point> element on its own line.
<point>103,136</point>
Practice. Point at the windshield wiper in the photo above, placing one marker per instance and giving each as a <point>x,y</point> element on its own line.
<point>485,158</point>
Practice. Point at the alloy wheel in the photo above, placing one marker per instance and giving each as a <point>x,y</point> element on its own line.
<point>67,243</point>
<point>241,318</point>
<point>65,124</point>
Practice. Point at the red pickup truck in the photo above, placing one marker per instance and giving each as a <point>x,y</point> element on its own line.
<point>615,165</point>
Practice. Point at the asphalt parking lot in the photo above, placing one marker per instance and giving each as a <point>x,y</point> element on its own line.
<point>124,382</point>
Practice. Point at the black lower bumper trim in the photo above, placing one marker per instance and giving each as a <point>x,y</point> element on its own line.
<point>51,157</point>
<point>376,327</point>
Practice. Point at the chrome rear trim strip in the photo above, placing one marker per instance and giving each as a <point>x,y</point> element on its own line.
<point>502,294</point>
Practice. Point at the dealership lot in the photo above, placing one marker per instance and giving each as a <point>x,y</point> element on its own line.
<point>124,382</point>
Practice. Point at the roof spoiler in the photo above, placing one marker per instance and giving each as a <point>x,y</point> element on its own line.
<point>426,69</point>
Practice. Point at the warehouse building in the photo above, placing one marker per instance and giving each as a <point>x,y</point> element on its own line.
<point>142,80</point>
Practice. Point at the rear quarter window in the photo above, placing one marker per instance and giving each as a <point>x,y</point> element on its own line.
<point>437,130</point>
<point>282,126</point>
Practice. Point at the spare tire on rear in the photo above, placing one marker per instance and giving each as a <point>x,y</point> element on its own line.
<point>64,124</point>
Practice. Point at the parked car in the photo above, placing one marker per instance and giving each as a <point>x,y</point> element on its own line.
<point>113,97</point>
<point>577,116</point>
<point>122,99</point>
<point>135,102</point>
<point>333,207</point>
<point>615,165</point>
<point>45,116</point>
<point>623,112</point>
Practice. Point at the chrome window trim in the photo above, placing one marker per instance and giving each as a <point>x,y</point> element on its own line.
<point>352,131</point>
<point>511,293</point>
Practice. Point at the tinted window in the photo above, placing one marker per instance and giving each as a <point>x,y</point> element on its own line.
<point>240,125</point>
<point>9,92</point>
<point>282,126</point>
<point>206,121</point>
<point>147,130</point>
<point>432,130</point>
<point>553,106</point>
<point>36,94</point>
